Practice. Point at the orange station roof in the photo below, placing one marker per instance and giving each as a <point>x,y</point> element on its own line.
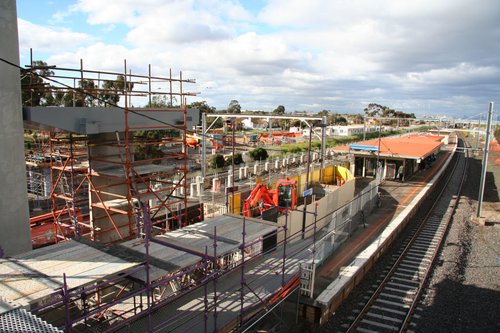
<point>411,146</point>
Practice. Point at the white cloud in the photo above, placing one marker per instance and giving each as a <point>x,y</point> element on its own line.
<point>42,38</point>
<point>336,55</point>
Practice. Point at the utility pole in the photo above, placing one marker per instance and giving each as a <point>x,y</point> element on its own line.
<point>485,161</point>
<point>203,144</point>
<point>307,183</point>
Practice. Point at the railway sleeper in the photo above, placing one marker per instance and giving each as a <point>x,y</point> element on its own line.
<point>402,298</point>
<point>414,261</point>
<point>412,278</point>
<point>386,309</point>
<point>423,258</point>
<point>378,325</point>
<point>410,289</point>
<point>408,267</point>
<point>384,317</point>
<point>394,304</point>
<point>419,252</point>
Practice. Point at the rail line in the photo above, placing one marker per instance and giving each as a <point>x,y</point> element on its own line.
<point>391,306</point>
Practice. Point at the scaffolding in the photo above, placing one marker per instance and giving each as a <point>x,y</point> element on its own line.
<point>101,180</point>
<point>135,197</point>
<point>195,297</point>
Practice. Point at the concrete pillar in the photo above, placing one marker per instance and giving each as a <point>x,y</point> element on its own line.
<point>192,190</point>
<point>199,189</point>
<point>110,178</point>
<point>215,184</point>
<point>277,164</point>
<point>301,158</point>
<point>240,173</point>
<point>229,180</point>
<point>245,172</point>
<point>15,237</point>
<point>255,168</point>
<point>266,166</point>
<point>181,188</point>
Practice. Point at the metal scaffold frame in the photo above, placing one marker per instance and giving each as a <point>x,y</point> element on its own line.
<point>122,302</point>
<point>159,180</point>
<point>121,299</point>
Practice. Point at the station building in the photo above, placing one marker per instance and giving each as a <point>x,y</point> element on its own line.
<point>397,157</point>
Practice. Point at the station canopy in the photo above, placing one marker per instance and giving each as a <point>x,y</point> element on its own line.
<point>410,146</point>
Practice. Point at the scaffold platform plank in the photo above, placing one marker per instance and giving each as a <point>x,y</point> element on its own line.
<point>28,278</point>
<point>197,237</point>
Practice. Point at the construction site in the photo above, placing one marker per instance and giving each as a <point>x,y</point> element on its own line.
<point>126,234</point>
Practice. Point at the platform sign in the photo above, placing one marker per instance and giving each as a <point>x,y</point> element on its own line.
<point>363,147</point>
<point>307,192</point>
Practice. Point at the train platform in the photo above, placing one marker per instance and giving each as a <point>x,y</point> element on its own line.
<point>398,199</point>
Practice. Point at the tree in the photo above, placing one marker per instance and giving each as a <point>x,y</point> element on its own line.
<point>111,89</point>
<point>234,107</point>
<point>279,110</point>
<point>339,120</point>
<point>238,159</point>
<point>217,161</point>
<point>203,107</point>
<point>377,110</point>
<point>162,101</point>
<point>148,150</point>
<point>34,90</point>
<point>258,154</point>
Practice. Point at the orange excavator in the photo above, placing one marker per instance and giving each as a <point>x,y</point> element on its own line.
<point>193,141</point>
<point>284,197</point>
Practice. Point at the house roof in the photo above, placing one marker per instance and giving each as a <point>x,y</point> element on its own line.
<point>410,146</point>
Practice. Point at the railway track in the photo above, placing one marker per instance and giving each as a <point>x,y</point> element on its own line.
<point>391,306</point>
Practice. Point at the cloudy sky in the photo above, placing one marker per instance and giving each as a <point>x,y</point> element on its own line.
<point>429,57</point>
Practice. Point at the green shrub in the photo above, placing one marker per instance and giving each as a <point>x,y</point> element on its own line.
<point>238,159</point>
<point>258,154</point>
<point>217,161</point>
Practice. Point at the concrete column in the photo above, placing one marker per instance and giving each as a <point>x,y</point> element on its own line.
<point>192,190</point>
<point>240,174</point>
<point>266,166</point>
<point>114,183</point>
<point>215,185</point>
<point>277,164</point>
<point>245,172</point>
<point>181,189</point>
<point>229,180</point>
<point>255,168</point>
<point>301,158</point>
<point>15,237</point>
<point>199,189</point>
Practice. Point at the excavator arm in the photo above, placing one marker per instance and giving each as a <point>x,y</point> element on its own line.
<point>259,197</point>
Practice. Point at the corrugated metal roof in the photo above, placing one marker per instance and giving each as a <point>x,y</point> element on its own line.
<point>410,146</point>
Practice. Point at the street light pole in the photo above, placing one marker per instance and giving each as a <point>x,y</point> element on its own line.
<point>485,161</point>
